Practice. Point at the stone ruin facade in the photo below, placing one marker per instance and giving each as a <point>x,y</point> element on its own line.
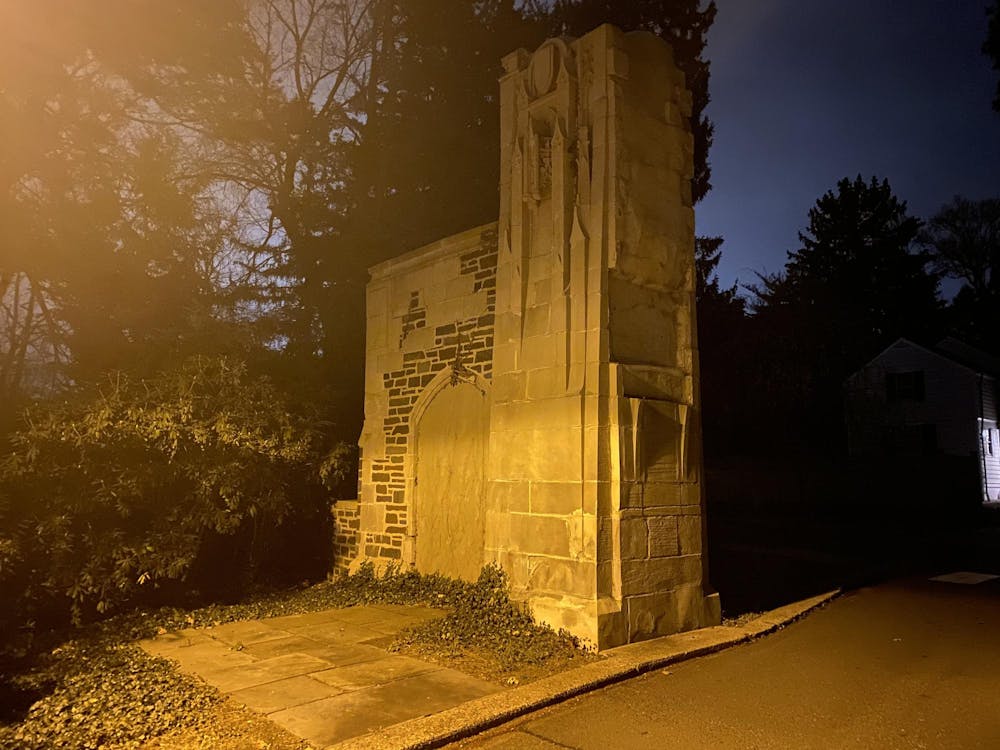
<point>531,389</point>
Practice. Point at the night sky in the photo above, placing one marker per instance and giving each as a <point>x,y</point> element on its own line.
<point>805,92</point>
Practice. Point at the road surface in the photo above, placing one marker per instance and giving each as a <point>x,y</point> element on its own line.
<point>909,664</point>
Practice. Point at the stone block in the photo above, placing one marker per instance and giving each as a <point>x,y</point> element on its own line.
<point>576,616</point>
<point>578,346</point>
<point>401,296</point>
<point>376,300</point>
<point>506,293</point>
<point>539,292</point>
<point>608,537</point>
<point>631,495</point>
<point>662,493</point>
<point>604,495</point>
<point>582,537</point>
<point>377,332</point>
<point>690,494</point>
<point>458,287</point>
<point>474,304</point>
<point>539,535</point>
<point>599,464</point>
<point>689,532</point>
<point>546,383</point>
<point>389,361</point>
<point>372,515</point>
<point>558,321</point>
<point>507,496</point>
<point>554,455</point>
<point>505,356</point>
<point>449,311</point>
<point>562,577</point>
<point>660,574</point>
<point>516,566</point>
<point>418,340</point>
<point>608,584</point>
<point>634,539</point>
<point>434,294</point>
<point>510,386</point>
<point>536,321</point>
<point>556,498</point>
<point>497,529</point>
<point>612,629</point>
<point>663,538</point>
<point>536,351</point>
<point>540,266</point>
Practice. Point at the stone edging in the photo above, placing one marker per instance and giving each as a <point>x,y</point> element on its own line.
<point>623,663</point>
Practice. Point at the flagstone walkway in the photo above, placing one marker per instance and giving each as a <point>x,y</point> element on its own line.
<point>324,676</point>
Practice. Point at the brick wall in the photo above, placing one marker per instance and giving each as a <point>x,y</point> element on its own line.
<point>346,522</point>
<point>429,311</point>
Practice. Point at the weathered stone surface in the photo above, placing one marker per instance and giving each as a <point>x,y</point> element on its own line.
<point>325,722</point>
<point>539,535</point>
<point>573,317</point>
<point>689,531</point>
<point>635,539</point>
<point>660,574</point>
<point>386,669</point>
<point>286,693</point>
<point>449,505</point>
<point>663,539</point>
<point>556,498</point>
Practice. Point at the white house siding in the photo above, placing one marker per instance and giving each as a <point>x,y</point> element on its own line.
<point>990,437</point>
<point>951,400</point>
<point>989,398</point>
<point>991,462</point>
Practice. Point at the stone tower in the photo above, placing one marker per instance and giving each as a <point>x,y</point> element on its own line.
<point>594,462</point>
<point>532,385</point>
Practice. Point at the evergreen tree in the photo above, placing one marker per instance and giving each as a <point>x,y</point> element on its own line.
<point>721,316</point>
<point>854,286</point>
<point>856,281</point>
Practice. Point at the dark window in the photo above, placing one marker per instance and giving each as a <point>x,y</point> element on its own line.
<point>929,439</point>
<point>904,386</point>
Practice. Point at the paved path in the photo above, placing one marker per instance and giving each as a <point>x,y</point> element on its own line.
<point>324,676</point>
<point>911,664</point>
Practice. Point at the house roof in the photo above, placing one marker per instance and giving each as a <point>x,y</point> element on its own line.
<point>970,356</point>
<point>952,350</point>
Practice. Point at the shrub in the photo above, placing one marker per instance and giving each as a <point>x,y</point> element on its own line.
<point>106,496</point>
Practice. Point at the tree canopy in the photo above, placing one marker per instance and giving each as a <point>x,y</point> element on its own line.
<point>855,284</point>
<point>193,176</point>
<point>991,47</point>
<point>962,241</point>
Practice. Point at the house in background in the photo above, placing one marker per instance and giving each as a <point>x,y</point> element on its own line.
<point>917,402</point>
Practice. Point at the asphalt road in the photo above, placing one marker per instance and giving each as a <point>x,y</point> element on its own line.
<point>909,664</point>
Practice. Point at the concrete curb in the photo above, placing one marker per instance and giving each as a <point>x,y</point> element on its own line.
<point>621,664</point>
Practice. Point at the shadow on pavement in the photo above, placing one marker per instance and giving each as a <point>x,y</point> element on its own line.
<point>761,561</point>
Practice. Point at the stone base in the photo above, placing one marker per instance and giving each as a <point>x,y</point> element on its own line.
<point>605,623</point>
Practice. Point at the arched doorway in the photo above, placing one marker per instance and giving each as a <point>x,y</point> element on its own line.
<point>449,482</point>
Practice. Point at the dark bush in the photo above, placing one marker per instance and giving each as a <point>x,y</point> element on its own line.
<point>188,478</point>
